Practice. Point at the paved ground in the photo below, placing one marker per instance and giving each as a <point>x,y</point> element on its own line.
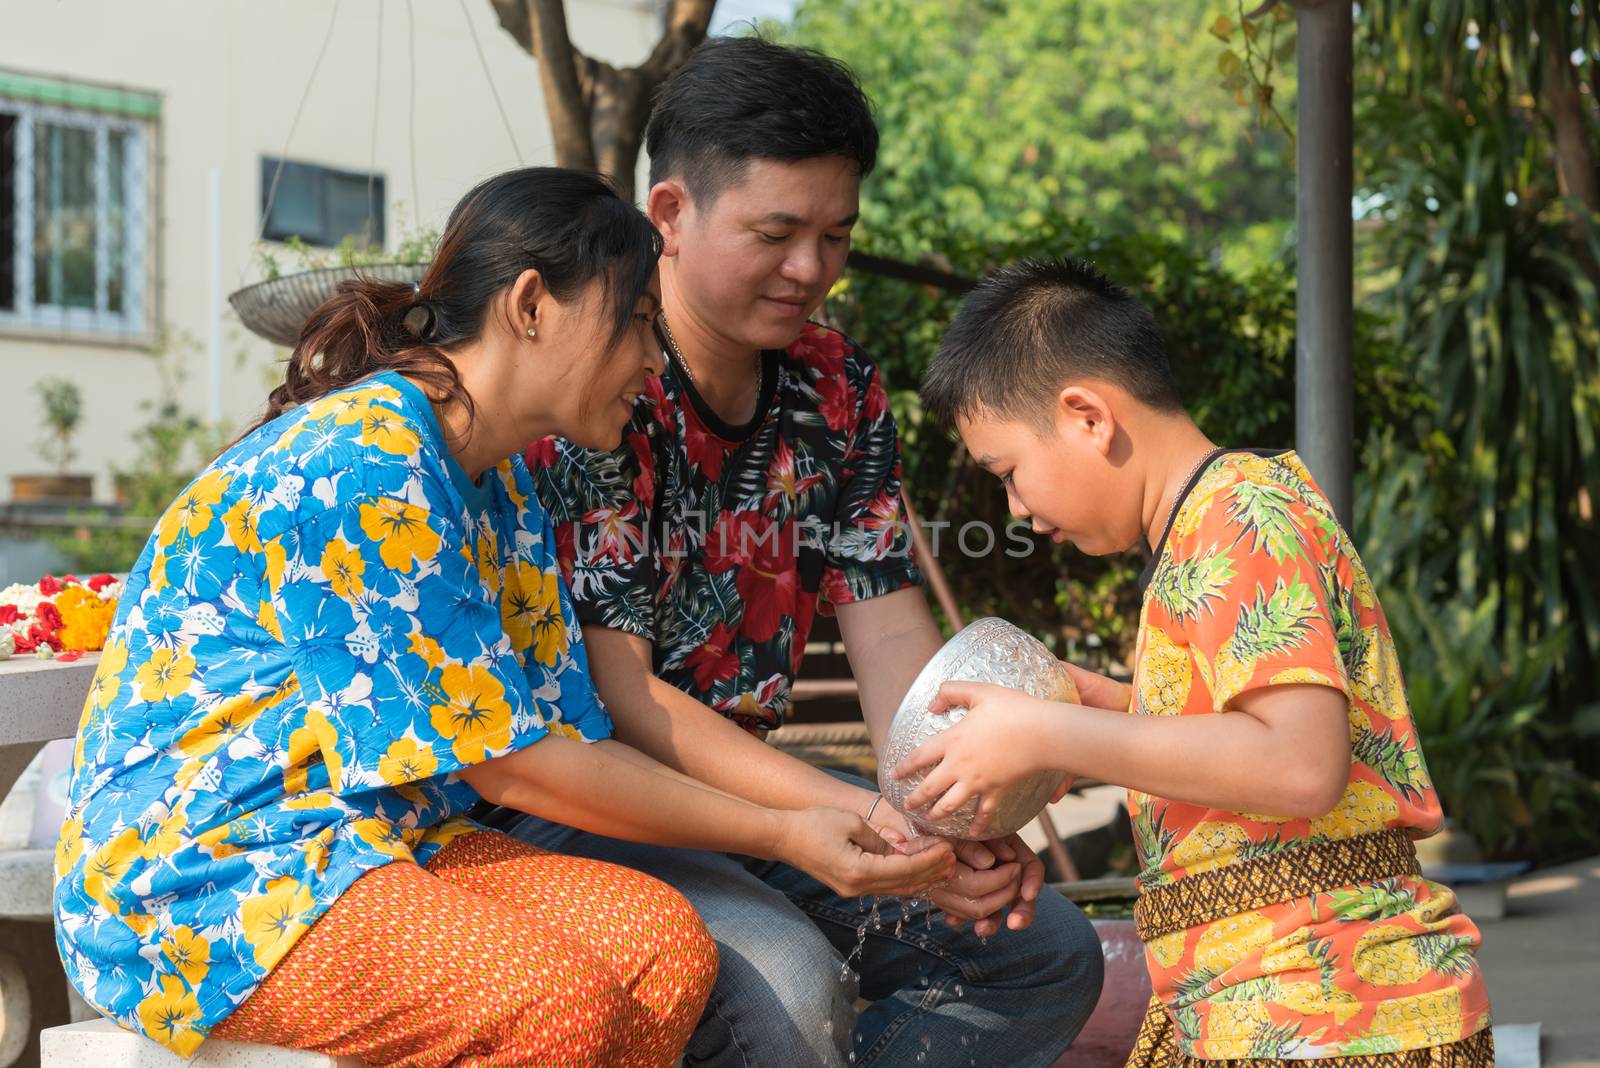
<point>1543,961</point>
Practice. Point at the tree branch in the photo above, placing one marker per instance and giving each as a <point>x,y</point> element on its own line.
<point>558,76</point>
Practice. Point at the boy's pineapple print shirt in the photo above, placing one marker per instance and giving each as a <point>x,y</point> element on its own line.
<point>1257,585</point>
<point>324,627</point>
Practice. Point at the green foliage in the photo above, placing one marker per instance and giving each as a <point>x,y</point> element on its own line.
<point>1231,340</point>
<point>62,402</point>
<point>999,117</point>
<point>1497,749</point>
<point>417,246</point>
<point>1489,274</point>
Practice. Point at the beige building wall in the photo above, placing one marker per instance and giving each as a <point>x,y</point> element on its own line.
<point>230,74</point>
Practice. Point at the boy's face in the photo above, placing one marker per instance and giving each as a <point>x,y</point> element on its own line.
<point>759,259</point>
<point>1071,475</point>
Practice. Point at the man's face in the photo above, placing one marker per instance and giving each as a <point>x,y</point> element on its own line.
<point>758,261</point>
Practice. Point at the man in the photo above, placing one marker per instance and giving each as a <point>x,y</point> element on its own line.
<point>759,483</point>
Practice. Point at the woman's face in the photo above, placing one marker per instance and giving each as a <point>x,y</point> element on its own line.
<point>602,378</point>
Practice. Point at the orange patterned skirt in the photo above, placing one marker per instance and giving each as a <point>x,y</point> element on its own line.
<point>496,954</point>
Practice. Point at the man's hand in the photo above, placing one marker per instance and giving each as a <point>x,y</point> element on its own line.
<point>1098,691</point>
<point>991,878</point>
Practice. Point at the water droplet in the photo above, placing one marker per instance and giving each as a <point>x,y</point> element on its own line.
<point>922,1056</point>
<point>966,1040</point>
<point>959,991</point>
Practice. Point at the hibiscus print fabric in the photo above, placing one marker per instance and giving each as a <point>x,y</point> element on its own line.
<point>1256,585</point>
<point>326,624</point>
<point>719,543</point>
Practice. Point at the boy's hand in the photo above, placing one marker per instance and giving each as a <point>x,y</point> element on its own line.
<point>989,750</point>
<point>1098,691</point>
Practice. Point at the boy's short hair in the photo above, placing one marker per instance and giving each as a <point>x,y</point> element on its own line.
<point>743,98</point>
<point>1032,327</point>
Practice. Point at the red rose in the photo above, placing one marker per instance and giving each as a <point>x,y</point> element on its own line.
<point>9,613</point>
<point>50,586</point>
<point>100,582</point>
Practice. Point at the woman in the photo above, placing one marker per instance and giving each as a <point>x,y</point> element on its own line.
<point>347,632</point>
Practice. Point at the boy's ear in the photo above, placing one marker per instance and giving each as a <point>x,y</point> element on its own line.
<point>1086,413</point>
<point>668,207</point>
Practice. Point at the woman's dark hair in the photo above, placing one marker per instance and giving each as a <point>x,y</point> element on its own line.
<point>741,98</point>
<point>569,225</point>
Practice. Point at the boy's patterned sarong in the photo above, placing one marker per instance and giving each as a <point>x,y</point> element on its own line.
<point>1313,868</point>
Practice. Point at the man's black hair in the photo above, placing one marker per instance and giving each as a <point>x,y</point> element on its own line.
<point>742,98</point>
<point>1030,328</point>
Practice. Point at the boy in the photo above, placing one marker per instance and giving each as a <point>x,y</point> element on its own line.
<point>1275,777</point>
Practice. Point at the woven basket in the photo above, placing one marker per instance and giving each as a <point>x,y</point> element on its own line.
<point>277,309</point>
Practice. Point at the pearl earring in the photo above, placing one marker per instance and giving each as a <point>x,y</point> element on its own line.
<point>532,332</point>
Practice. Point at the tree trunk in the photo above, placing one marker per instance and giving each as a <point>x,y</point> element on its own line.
<point>598,112</point>
<point>558,77</point>
<point>1575,163</point>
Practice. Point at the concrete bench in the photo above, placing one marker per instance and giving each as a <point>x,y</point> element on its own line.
<point>103,1044</point>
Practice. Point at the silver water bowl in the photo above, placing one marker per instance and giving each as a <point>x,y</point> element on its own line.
<point>986,650</point>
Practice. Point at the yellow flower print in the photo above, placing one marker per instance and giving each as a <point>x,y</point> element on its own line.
<point>530,610</point>
<point>388,430</point>
<point>231,718</point>
<point>171,1016</point>
<point>442,834</point>
<point>385,837</point>
<point>106,868</point>
<point>158,572</point>
<point>277,560</point>
<point>401,532</point>
<point>347,408</point>
<point>427,648</point>
<point>107,679</point>
<point>476,717</point>
<point>243,527</point>
<point>189,953</point>
<point>191,512</point>
<point>342,566</point>
<point>317,737</point>
<point>165,675</point>
<point>316,849</point>
<point>267,616</point>
<point>406,761</point>
<point>489,562</point>
<point>167,836</point>
<point>273,920</point>
<point>69,846</point>
<point>566,730</point>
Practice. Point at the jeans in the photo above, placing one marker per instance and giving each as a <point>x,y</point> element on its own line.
<point>784,997</point>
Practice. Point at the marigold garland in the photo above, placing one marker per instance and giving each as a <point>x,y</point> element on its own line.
<point>65,616</point>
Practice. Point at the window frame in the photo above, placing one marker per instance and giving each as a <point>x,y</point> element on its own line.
<point>325,237</point>
<point>99,322</point>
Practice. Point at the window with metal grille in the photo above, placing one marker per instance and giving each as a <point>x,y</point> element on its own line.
<point>74,221</point>
<point>321,205</point>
